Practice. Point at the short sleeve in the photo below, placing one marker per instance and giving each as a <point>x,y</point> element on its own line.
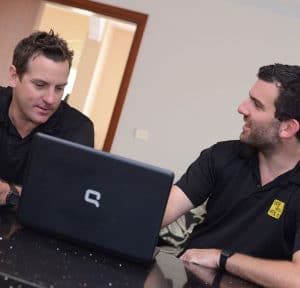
<point>198,181</point>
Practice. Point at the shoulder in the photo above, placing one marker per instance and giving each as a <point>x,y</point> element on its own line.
<point>73,125</point>
<point>225,151</point>
<point>231,147</point>
<point>5,93</point>
<point>234,146</point>
<point>231,151</point>
<point>5,98</point>
<point>5,89</point>
<point>226,146</point>
<point>220,155</point>
<point>72,116</point>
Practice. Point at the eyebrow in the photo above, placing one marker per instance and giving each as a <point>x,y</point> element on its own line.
<point>257,102</point>
<point>45,82</point>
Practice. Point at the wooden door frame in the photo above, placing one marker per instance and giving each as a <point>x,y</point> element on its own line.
<point>137,18</point>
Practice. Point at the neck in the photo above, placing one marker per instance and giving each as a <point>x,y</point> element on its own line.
<point>282,159</point>
<point>23,125</point>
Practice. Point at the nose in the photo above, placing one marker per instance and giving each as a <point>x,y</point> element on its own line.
<point>49,96</point>
<point>242,108</point>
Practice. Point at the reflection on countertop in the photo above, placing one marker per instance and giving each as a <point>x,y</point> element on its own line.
<point>31,259</point>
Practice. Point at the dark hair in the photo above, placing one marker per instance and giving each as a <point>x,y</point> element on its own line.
<point>48,44</point>
<point>287,77</point>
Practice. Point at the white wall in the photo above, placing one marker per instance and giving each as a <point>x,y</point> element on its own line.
<point>197,61</point>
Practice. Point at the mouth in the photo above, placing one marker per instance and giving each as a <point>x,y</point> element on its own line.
<point>43,110</point>
<point>246,126</point>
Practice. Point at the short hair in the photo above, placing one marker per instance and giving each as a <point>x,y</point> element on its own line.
<point>48,44</point>
<point>287,77</point>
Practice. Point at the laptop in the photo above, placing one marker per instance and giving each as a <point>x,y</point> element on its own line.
<point>96,199</point>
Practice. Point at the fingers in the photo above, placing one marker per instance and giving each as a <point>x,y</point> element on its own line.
<point>205,257</point>
<point>188,255</point>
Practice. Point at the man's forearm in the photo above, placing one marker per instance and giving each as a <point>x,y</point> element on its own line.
<point>267,273</point>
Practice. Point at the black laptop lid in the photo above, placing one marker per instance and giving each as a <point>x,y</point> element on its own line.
<point>95,198</point>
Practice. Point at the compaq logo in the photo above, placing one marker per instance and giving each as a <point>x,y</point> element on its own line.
<point>92,197</point>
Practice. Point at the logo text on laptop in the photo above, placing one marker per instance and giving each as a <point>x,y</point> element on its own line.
<point>92,197</point>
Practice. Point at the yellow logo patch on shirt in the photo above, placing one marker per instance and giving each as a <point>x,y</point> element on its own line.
<point>276,209</point>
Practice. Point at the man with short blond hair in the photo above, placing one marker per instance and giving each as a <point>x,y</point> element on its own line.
<point>33,103</point>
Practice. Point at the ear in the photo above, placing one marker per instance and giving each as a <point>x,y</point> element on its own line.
<point>289,128</point>
<point>12,76</point>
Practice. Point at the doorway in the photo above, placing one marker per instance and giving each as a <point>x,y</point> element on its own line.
<point>101,47</point>
<point>124,30</point>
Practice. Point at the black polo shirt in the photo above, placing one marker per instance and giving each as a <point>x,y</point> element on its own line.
<point>66,122</point>
<point>241,214</point>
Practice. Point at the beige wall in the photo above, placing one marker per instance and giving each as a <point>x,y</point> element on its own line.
<point>100,71</point>
<point>85,70</point>
<point>99,63</point>
<point>118,42</point>
<point>17,19</point>
<point>72,27</point>
<point>197,61</point>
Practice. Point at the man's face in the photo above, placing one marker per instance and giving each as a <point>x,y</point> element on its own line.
<point>37,95</point>
<point>261,128</point>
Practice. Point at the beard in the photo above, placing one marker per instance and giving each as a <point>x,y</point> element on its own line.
<point>263,138</point>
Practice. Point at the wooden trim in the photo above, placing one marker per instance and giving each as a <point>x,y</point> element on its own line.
<point>140,20</point>
<point>136,42</point>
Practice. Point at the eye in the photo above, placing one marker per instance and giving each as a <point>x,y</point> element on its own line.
<point>256,103</point>
<point>60,88</point>
<point>39,85</point>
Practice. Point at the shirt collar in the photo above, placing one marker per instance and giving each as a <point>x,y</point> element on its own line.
<point>247,151</point>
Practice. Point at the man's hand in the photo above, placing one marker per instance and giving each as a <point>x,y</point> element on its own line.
<point>264,272</point>
<point>205,274</point>
<point>4,189</point>
<point>204,257</point>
